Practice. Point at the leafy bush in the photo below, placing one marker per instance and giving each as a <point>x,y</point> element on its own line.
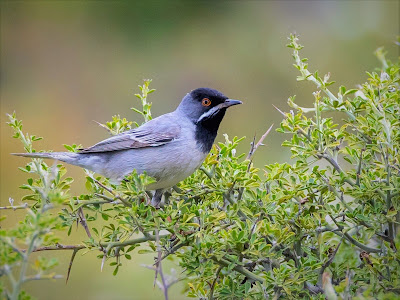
<point>325,226</point>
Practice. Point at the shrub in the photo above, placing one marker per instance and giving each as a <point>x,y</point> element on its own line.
<point>324,226</point>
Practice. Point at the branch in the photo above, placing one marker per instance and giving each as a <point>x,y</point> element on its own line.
<point>225,263</point>
<point>209,174</point>
<point>132,241</point>
<point>159,270</point>
<point>328,262</point>
<point>227,196</point>
<point>108,245</point>
<point>124,201</point>
<point>59,247</point>
<point>259,143</point>
<point>173,250</point>
<point>333,190</point>
<point>82,218</point>
<point>330,159</point>
<point>15,207</point>
<point>214,283</point>
<point>313,288</point>
<point>353,241</point>
<point>359,168</point>
<point>42,277</point>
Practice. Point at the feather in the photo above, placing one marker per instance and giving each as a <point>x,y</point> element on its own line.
<point>150,134</point>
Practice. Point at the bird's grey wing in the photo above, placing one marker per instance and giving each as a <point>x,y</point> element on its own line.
<point>156,132</point>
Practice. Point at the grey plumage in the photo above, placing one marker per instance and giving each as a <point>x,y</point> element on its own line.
<point>168,148</point>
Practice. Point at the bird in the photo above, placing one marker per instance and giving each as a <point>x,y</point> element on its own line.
<point>168,148</point>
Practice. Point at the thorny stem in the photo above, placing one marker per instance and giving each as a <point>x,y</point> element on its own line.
<point>259,143</point>
<point>102,244</point>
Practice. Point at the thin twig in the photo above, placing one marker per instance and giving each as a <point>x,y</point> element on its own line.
<point>15,207</point>
<point>108,199</point>
<point>227,196</point>
<point>237,268</point>
<point>259,143</point>
<point>159,266</point>
<point>214,283</point>
<point>124,201</point>
<point>359,168</point>
<point>346,295</point>
<point>41,277</point>
<point>281,112</point>
<point>353,241</point>
<point>108,245</point>
<point>337,194</point>
<point>252,145</point>
<point>173,250</point>
<point>329,261</point>
<point>82,218</point>
<point>95,202</point>
<point>253,149</point>
<point>59,247</point>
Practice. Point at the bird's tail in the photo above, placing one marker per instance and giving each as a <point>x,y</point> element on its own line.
<point>68,157</point>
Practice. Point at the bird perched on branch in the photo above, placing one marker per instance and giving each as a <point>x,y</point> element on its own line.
<point>168,148</point>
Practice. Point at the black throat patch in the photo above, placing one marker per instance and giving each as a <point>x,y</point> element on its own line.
<point>206,131</point>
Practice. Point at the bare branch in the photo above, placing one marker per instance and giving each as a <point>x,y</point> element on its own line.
<point>42,277</point>
<point>159,267</point>
<point>259,143</point>
<point>281,112</point>
<point>15,207</point>
<point>108,245</point>
<point>214,283</point>
<point>329,261</point>
<point>82,218</point>
<point>59,247</point>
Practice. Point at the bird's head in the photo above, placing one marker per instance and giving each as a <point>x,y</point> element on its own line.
<point>206,106</point>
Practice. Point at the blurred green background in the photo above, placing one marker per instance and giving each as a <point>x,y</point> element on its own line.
<point>66,63</point>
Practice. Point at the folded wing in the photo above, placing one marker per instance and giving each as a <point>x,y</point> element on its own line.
<point>156,132</point>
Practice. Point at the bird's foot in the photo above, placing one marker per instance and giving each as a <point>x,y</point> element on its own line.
<point>156,200</point>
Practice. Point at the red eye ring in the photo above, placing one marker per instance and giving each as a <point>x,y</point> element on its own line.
<point>206,102</point>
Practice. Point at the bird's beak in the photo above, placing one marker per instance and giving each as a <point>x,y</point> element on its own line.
<point>230,102</point>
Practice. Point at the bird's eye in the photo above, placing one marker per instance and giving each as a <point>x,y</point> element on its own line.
<point>206,102</point>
